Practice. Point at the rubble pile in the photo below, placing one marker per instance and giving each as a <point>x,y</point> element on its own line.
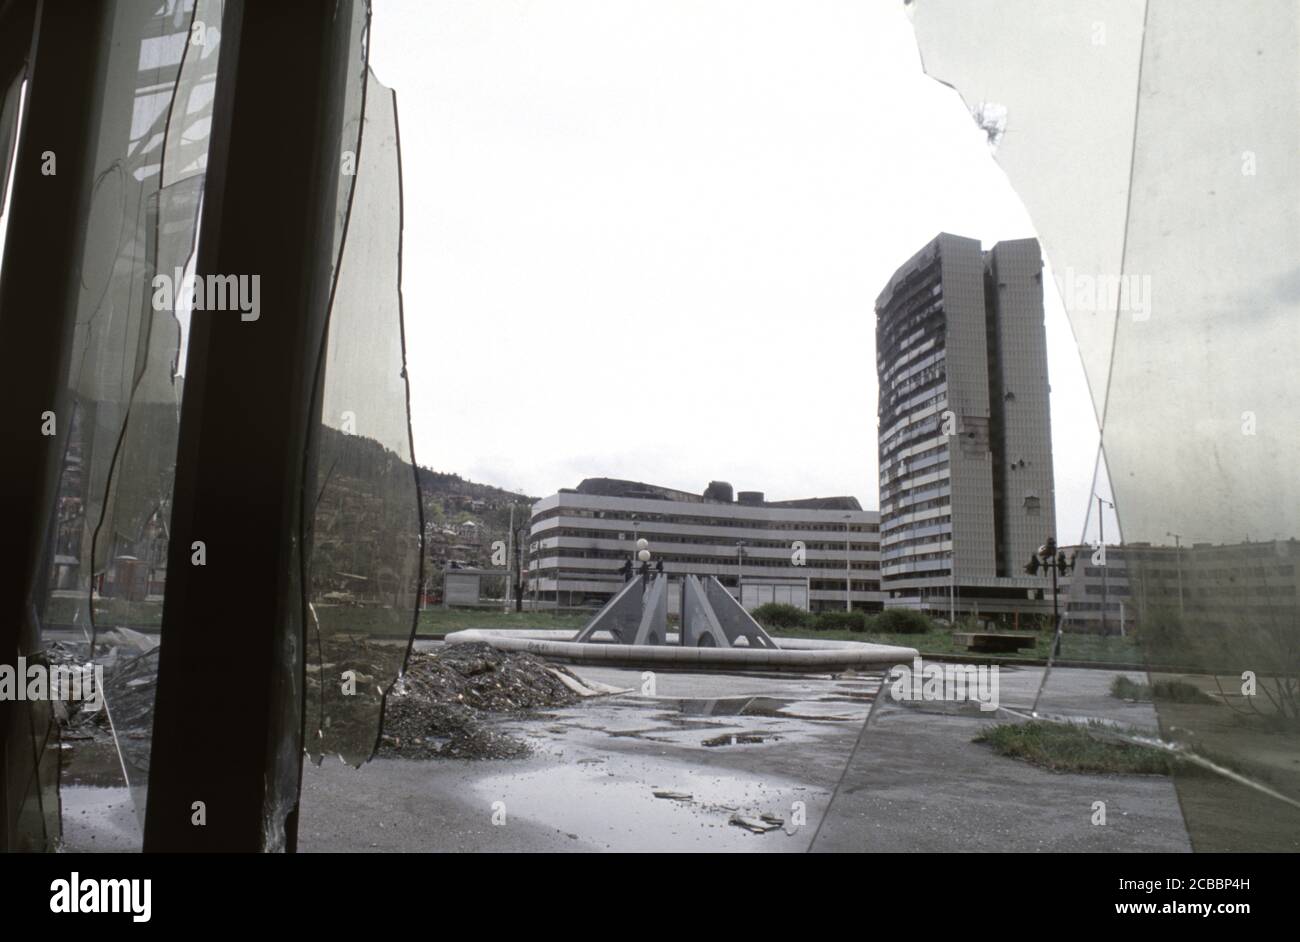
<point>446,704</point>
<point>130,680</point>
<point>89,746</point>
<point>441,706</point>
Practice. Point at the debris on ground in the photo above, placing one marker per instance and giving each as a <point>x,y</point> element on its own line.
<point>130,679</point>
<point>738,739</point>
<point>128,664</point>
<point>759,825</point>
<point>443,706</point>
<point>586,688</point>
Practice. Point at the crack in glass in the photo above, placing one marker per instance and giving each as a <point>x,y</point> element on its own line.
<point>365,522</point>
<point>1175,261</point>
<point>108,552</point>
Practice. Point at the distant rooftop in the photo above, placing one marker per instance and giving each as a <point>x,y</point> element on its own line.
<point>718,492</point>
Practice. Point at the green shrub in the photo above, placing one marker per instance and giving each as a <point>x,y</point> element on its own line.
<point>1065,748</point>
<point>901,621</point>
<point>1123,688</point>
<point>780,615</point>
<point>841,621</point>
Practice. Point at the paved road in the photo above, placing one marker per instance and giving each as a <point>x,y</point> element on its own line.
<point>916,782</point>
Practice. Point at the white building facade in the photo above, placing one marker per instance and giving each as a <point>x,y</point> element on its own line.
<point>819,554</point>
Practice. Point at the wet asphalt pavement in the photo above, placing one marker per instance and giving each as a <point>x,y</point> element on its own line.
<point>591,783</point>
<point>718,746</point>
<point>916,781</point>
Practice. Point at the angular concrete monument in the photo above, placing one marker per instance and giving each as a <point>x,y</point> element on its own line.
<point>716,634</point>
<point>653,628</point>
<point>711,618</point>
<point>621,616</point>
<point>700,626</point>
<point>736,623</point>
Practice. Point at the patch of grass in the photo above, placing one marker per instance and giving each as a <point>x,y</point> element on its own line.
<point>440,620</point>
<point>394,623</point>
<point>841,621</point>
<point>1103,649</point>
<point>1063,748</point>
<point>62,610</point>
<point>1172,691</point>
<point>779,617</point>
<point>68,610</point>
<point>938,640</point>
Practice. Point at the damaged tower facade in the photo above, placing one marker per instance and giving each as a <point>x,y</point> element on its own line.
<point>965,443</point>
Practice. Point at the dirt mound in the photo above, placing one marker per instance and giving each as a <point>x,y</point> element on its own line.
<point>444,705</point>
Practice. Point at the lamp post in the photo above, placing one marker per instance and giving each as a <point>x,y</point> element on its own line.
<point>516,568</point>
<point>1049,557</point>
<point>643,555</point>
<point>1178,564</point>
<point>510,553</point>
<point>1101,541</point>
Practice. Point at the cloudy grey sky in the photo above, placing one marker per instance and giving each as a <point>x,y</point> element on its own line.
<point>644,237</point>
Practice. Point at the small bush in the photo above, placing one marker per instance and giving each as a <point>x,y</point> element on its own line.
<point>780,615</point>
<point>842,621</point>
<point>901,621</point>
<point>1124,689</point>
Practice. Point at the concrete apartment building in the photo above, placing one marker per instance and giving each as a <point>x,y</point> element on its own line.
<point>818,554</point>
<point>966,490</point>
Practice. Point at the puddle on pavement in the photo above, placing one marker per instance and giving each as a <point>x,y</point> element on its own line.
<point>637,734</point>
<point>790,708</point>
<point>644,807</point>
<point>687,722</point>
<point>734,706</point>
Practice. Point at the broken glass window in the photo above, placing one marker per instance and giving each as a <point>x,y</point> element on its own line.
<point>365,532</point>
<point>1156,151</point>
<point>108,548</point>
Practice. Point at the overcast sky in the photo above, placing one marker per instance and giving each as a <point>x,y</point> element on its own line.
<point>644,237</point>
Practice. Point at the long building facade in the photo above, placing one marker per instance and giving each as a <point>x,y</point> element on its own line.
<point>1116,591</point>
<point>965,447</point>
<point>818,554</point>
